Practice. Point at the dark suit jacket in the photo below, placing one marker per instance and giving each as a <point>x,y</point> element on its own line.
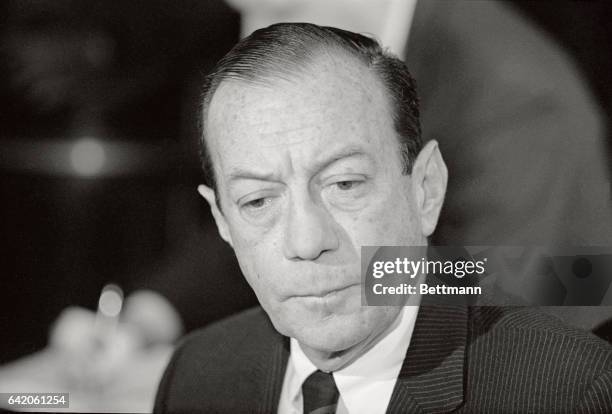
<point>466,360</point>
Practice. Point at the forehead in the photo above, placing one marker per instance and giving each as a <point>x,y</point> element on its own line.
<point>336,101</point>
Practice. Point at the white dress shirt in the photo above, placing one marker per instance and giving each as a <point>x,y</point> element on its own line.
<point>366,384</point>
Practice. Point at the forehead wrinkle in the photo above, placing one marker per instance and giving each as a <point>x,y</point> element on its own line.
<point>273,174</point>
<point>278,102</point>
<point>291,142</point>
<point>350,151</point>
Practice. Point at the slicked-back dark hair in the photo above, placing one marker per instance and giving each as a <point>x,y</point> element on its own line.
<point>284,50</point>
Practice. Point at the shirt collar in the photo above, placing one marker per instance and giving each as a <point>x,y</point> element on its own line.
<point>382,362</point>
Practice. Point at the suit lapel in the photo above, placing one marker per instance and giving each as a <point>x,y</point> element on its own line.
<point>270,374</point>
<point>431,377</point>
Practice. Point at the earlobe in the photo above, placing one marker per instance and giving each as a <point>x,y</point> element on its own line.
<point>431,177</point>
<point>209,195</point>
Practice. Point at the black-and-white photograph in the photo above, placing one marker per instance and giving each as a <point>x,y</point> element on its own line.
<point>306,206</point>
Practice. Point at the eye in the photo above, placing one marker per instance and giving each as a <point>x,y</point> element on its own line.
<point>348,184</point>
<point>259,206</point>
<point>255,204</point>
<point>347,191</point>
<point>259,209</point>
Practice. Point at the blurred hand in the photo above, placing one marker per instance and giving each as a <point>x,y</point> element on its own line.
<point>120,371</point>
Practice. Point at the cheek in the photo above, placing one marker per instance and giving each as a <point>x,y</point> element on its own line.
<point>258,260</point>
<point>389,221</point>
<point>251,262</point>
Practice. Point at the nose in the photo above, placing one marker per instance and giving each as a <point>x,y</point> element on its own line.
<point>309,231</point>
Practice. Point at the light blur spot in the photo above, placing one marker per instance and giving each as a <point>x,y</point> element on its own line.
<point>111,301</point>
<point>87,157</point>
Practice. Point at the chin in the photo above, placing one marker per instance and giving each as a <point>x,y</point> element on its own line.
<point>337,333</point>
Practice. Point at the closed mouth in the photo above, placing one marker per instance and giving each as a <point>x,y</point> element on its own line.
<point>327,292</point>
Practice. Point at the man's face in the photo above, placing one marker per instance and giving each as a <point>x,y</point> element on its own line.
<point>308,171</point>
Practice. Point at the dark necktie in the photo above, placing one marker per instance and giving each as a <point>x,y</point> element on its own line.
<point>320,393</point>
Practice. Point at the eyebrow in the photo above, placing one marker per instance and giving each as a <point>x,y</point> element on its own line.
<point>242,174</point>
<point>320,165</point>
<point>350,152</point>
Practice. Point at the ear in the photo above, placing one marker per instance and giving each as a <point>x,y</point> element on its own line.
<point>209,194</point>
<point>430,177</point>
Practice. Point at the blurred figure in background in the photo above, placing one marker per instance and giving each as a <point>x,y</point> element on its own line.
<point>130,73</point>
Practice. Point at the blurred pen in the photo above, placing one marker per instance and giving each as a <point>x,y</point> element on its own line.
<point>107,315</point>
<point>108,345</point>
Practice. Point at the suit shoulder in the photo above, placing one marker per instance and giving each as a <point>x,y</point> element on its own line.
<point>201,376</point>
<point>521,329</point>
<point>230,329</point>
<point>529,319</point>
<point>556,365</point>
<point>212,346</point>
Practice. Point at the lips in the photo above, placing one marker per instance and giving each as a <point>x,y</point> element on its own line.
<point>327,291</point>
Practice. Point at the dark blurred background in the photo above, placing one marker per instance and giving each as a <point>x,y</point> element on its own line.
<point>99,162</point>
